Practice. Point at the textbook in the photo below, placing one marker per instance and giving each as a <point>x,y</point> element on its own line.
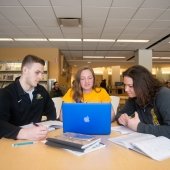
<point>79,136</point>
<point>157,148</point>
<point>80,143</point>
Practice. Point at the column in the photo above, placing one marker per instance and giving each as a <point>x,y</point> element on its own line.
<point>105,75</point>
<point>115,74</point>
<point>144,58</point>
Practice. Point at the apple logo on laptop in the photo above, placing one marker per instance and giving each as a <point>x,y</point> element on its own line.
<point>86,119</point>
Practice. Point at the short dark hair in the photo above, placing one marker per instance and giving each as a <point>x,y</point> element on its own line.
<point>29,59</point>
<point>55,83</point>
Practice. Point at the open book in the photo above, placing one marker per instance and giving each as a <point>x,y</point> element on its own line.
<point>80,143</point>
<point>157,148</point>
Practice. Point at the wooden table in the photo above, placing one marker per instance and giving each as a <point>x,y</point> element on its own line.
<point>41,157</point>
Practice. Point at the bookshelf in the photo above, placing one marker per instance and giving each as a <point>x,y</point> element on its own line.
<point>9,71</point>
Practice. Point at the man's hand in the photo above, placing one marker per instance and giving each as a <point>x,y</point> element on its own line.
<point>33,133</point>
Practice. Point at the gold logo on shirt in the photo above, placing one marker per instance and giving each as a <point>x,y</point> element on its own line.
<point>154,117</point>
<point>38,97</point>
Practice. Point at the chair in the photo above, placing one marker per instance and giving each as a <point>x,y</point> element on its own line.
<point>115,102</point>
<point>57,103</point>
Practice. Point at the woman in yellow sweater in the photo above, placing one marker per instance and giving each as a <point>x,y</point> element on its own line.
<point>84,89</point>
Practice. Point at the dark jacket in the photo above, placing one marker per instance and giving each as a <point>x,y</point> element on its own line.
<point>56,93</point>
<point>16,108</point>
<point>154,117</point>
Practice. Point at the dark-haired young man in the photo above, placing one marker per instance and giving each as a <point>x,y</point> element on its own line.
<point>24,102</point>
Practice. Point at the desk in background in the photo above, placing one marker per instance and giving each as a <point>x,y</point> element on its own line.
<point>41,157</point>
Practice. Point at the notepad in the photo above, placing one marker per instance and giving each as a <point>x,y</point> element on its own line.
<point>51,125</point>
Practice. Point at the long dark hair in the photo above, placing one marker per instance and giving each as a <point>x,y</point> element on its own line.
<point>144,83</point>
<point>77,89</point>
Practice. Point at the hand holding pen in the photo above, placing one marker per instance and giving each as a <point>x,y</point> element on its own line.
<point>37,132</point>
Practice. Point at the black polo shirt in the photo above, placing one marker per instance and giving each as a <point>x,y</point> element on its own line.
<point>16,108</point>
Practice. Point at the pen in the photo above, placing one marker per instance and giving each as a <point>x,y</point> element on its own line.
<point>132,115</point>
<point>22,143</point>
<point>35,124</point>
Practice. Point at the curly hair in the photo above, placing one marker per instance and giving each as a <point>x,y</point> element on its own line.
<point>144,84</point>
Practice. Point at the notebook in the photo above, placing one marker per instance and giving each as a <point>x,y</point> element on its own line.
<point>87,118</point>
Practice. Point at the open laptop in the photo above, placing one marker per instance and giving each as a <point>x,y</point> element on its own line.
<point>87,118</point>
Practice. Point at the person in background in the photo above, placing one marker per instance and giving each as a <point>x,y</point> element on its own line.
<point>103,84</point>
<point>147,110</point>
<point>168,84</point>
<point>56,91</point>
<point>25,101</point>
<point>84,90</point>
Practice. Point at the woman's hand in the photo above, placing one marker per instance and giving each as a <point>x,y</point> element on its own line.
<point>123,119</point>
<point>132,123</point>
<point>129,122</point>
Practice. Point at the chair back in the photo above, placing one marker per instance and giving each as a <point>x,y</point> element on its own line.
<point>57,103</point>
<point>115,102</point>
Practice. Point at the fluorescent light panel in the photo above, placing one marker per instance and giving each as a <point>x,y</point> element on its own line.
<point>30,39</point>
<point>6,39</point>
<point>155,57</point>
<point>161,58</point>
<point>137,41</point>
<point>113,57</point>
<point>93,56</point>
<point>62,39</point>
<point>106,57</point>
<point>98,40</point>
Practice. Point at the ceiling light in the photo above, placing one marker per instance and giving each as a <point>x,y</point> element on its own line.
<point>155,57</point>
<point>93,56</point>
<point>139,41</point>
<point>113,57</point>
<point>30,39</point>
<point>166,58</point>
<point>69,22</point>
<point>6,39</point>
<point>161,58</point>
<point>99,40</point>
<point>62,39</point>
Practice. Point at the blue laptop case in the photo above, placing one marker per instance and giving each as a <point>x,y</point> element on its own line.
<point>87,118</point>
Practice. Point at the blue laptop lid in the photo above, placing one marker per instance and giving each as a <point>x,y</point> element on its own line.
<point>87,118</point>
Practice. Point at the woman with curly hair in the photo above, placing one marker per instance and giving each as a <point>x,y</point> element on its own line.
<point>147,110</point>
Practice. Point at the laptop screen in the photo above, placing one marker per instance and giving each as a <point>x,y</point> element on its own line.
<point>87,118</point>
